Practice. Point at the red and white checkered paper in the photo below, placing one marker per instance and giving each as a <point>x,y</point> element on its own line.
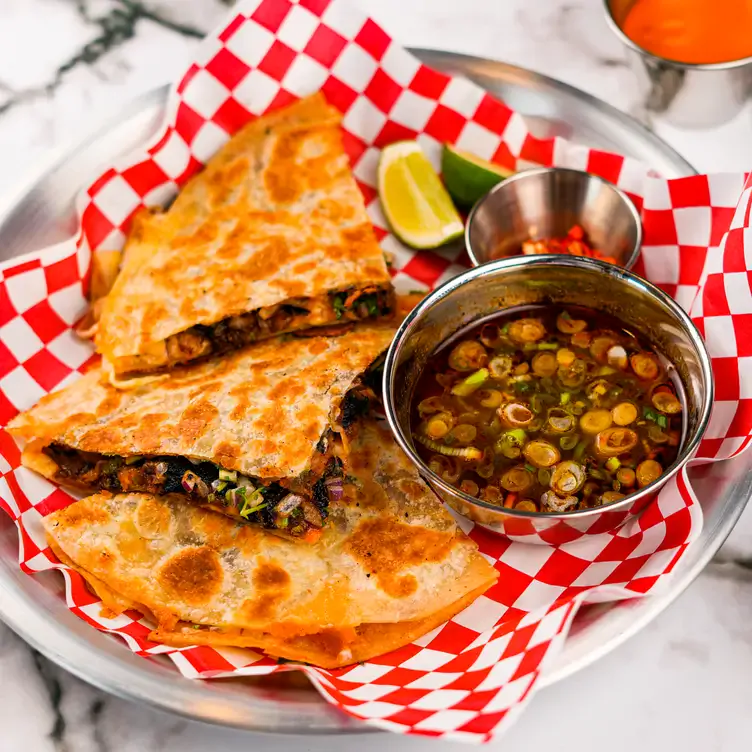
<point>468,679</point>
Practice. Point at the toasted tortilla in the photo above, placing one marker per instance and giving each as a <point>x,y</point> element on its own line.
<point>267,412</point>
<point>271,237</point>
<point>392,566</point>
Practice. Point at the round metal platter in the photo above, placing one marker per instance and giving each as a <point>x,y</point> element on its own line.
<point>41,213</point>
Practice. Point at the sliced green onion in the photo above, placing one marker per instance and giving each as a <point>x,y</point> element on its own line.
<point>505,328</point>
<point>569,442</point>
<point>247,511</point>
<point>522,387</point>
<point>564,398</point>
<point>467,453</point>
<point>228,475</point>
<point>579,450</point>
<point>649,413</point>
<point>471,384</point>
<point>548,346</point>
<point>535,403</point>
<point>662,421</point>
<point>544,476</point>
<point>597,473</point>
<point>613,464</point>
<point>517,434</point>
<point>530,468</point>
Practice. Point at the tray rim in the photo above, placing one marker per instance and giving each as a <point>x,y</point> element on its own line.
<point>198,701</point>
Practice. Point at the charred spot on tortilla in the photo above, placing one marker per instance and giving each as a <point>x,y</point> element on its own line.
<point>193,574</point>
<point>354,406</point>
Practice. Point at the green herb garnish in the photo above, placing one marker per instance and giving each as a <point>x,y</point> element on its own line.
<point>371,304</point>
<point>249,505</point>
<point>338,303</point>
<point>649,414</point>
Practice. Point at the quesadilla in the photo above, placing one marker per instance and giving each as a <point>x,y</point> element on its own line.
<point>271,237</point>
<point>254,435</point>
<point>392,566</point>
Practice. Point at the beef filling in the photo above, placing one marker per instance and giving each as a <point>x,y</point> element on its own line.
<point>204,483</point>
<point>235,332</point>
<point>356,305</point>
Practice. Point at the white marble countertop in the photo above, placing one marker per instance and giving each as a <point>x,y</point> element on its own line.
<point>679,684</point>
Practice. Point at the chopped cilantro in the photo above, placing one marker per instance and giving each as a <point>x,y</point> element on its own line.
<point>371,304</point>
<point>250,504</point>
<point>338,303</point>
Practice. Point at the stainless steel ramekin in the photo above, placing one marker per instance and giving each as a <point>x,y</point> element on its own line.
<point>691,95</point>
<point>546,202</point>
<point>522,280</point>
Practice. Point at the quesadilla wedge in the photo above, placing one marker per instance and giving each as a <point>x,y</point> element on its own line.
<point>392,566</point>
<point>271,237</point>
<point>253,435</point>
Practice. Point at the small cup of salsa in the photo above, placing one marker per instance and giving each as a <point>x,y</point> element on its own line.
<point>554,210</point>
<point>693,58</point>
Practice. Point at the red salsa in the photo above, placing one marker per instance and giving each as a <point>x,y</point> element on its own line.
<point>574,243</point>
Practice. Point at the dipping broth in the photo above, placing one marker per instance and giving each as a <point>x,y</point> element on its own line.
<point>547,409</point>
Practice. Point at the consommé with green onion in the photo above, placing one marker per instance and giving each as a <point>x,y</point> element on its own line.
<point>548,409</point>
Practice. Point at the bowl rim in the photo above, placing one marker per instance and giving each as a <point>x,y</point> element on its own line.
<point>534,171</point>
<point>629,42</point>
<point>591,265</point>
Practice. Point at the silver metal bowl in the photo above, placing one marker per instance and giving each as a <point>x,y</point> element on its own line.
<point>547,202</point>
<point>485,291</point>
<point>691,95</point>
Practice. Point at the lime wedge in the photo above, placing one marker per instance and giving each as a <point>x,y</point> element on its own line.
<point>468,177</point>
<point>415,203</point>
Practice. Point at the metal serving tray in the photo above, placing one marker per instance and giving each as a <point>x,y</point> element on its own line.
<point>41,213</point>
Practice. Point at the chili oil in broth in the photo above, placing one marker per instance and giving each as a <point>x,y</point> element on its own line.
<point>548,409</point>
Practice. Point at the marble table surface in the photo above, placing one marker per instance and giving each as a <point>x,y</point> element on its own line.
<point>682,683</point>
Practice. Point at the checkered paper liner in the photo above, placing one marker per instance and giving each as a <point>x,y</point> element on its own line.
<point>469,679</point>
